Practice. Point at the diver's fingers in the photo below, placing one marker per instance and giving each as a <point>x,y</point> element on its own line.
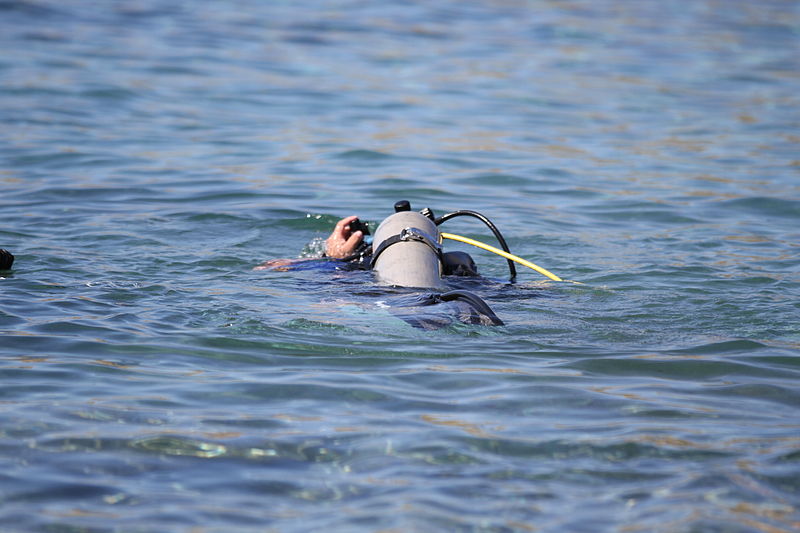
<point>354,239</point>
<point>343,225</point>
<point>346,247</point>
<point>342,242</point>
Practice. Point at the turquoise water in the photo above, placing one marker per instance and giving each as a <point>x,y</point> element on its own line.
<point>153,152</point>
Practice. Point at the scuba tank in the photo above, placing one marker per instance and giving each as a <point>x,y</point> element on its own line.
<point>407,252</point>
<point>406,249</point>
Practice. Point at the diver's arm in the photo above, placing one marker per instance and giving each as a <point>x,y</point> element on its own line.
<point>281,264</point>
<point>342,242</point>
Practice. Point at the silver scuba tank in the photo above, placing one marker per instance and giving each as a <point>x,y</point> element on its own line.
<point>406,251</point>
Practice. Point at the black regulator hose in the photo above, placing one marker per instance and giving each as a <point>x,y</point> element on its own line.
<point>490,225</point>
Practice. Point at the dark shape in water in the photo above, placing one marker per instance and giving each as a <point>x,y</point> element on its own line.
<point>6,259</point>
<point>462,306</point>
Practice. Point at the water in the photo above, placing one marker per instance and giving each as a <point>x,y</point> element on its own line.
<point>153,153</point>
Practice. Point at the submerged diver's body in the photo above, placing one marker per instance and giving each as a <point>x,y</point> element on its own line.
<point>346,246</point>
<point>6,259</point>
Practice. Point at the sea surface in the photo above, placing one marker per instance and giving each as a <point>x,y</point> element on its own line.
<point>152,153</point>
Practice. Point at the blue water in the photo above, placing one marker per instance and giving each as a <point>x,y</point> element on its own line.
<point>152,153</point>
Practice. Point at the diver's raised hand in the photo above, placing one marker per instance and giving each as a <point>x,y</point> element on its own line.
<point>342,242</point>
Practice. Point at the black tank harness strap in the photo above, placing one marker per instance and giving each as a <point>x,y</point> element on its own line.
<point>408,235</point>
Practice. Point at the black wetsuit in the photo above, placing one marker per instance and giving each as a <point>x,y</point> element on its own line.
<point>6,259</point>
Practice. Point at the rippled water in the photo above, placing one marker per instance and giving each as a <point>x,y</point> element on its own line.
<point>153,152</point>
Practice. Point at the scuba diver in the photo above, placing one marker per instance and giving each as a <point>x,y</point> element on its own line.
<point>406,251</point>
<point>6,259</point>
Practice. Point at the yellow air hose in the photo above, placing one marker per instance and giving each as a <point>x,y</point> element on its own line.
<point>500,252</point>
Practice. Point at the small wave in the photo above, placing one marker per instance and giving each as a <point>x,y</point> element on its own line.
<point>724,347</point>
<point>766,206</point>
<point>370,155</point>
<point>111,284</point>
